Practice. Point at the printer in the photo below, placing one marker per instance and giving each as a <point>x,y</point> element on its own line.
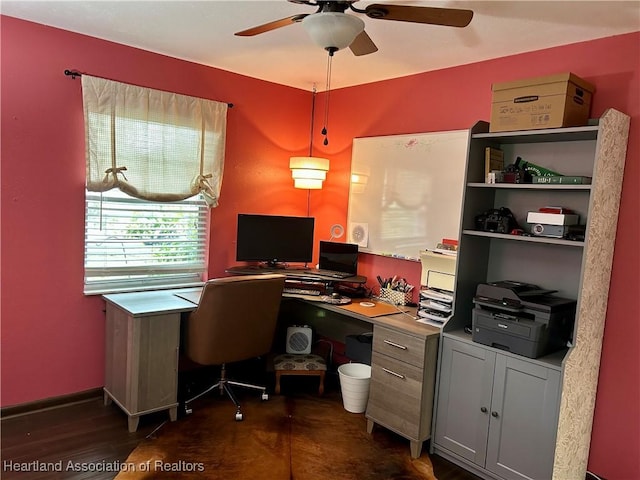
<point>521,318</point>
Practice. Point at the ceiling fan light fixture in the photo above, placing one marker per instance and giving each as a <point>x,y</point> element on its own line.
<point>333,30</point>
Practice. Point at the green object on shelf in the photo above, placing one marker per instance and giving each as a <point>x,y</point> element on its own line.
<point>534,170</point>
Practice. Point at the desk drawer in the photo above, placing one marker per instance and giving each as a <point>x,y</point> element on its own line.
<point>401,346</point>
<point>395,396</point>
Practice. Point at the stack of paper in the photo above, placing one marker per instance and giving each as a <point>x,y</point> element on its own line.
<point>434,307</point>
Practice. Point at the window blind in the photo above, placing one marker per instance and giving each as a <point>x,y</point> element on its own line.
<point>133,244</point>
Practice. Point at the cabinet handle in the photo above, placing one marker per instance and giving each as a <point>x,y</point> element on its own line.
<point>393,373</point>
<point>402,347</point>
<point>484,409</point>
<point>494,414</point>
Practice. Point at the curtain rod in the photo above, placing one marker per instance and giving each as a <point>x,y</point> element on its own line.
<point>73,74</point>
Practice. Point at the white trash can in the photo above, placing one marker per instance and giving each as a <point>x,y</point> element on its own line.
<point>354,383</point>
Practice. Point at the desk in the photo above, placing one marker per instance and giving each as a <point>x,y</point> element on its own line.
<point>142,343</point>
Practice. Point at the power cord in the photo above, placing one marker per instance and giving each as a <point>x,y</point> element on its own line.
<point>593,476</point>
<point>386,300</point>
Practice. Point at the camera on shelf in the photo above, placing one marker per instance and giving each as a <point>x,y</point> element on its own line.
<point>496,220</point>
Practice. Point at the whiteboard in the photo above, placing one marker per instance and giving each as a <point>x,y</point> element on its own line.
<point>406,191</point>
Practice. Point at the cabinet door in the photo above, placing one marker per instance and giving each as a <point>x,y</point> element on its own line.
<point>464,399</point>
<point>154,378</point>
<point>524,416</point>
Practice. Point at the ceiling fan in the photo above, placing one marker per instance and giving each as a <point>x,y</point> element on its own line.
<point>333,29</point>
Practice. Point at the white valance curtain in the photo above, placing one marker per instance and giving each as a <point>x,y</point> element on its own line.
<point>153,145</point>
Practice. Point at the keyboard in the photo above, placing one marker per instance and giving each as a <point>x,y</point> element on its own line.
<point>328,273</point>
<point>301,291</point>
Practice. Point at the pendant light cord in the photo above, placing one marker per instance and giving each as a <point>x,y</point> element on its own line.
<point>313,112</point>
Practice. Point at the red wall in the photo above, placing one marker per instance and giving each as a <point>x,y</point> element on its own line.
<point>52,335</point>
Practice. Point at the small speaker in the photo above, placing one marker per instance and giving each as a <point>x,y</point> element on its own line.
<point>299,339</point>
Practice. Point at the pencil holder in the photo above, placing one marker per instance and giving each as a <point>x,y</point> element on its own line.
<point>395,297</point>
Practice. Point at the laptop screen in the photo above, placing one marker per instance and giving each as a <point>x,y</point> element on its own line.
<point>340,257</point>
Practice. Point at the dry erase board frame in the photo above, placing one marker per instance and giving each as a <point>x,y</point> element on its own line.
<point>406,191</point>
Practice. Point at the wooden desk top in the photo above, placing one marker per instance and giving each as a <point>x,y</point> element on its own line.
<point>152,302</point>
<point>155,302</point>
<point>404,322</point>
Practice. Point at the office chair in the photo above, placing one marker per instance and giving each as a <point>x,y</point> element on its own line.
<point>235,320</point>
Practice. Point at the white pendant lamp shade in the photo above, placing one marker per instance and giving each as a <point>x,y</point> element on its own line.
<point>308,172</point>
<point>333,29</point>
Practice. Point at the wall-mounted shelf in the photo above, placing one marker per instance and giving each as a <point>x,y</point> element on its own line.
<point>522,238</point>
<point>570,134</point>
<point>528,186</point>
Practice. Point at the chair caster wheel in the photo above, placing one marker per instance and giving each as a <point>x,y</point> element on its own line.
<point>265,396</point>
<point>238,416</point>
<point>188,411</point>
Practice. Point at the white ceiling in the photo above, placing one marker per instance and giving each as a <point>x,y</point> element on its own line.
<point>203,32</point>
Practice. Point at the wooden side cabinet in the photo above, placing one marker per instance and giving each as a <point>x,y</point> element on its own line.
<point>403,370</point>
<point>488,400</point>
<point>141,358</point>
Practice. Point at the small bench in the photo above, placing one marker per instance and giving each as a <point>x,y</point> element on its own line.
<point>299,364</point>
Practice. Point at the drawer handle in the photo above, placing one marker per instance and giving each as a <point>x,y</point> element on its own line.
<point>390,372</point>
<point>402,347</point>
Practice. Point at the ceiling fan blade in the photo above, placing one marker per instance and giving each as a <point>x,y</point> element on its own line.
<point>283,22</point>
<point>450,17</point>
<point>363,45</point>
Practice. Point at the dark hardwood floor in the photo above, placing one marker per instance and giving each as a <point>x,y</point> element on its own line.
<point>88,434</point>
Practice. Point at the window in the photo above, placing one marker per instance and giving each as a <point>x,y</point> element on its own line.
<point>154,163</point>
<point>133,244</point>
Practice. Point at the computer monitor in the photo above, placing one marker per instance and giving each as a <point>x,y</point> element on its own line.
<point>339,257</point>
<point>274,239</point>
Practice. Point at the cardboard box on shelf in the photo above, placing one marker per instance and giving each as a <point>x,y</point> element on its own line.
<point>562,100</point>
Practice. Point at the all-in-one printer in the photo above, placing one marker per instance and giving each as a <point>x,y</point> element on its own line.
<point>521,318</point>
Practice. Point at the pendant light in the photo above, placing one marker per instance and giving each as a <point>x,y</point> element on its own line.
<point>309,172</point>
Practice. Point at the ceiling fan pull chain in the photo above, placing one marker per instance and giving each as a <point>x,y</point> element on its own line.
<point>328,95</point>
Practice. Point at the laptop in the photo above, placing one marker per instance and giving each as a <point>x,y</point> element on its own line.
<point>337,260</point>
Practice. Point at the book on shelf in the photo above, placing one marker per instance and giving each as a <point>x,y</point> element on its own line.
<point>493,161</point>
<point>562,179</point>
<point>551,209</point>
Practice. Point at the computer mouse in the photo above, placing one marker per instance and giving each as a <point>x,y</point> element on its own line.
<point>336,296</point>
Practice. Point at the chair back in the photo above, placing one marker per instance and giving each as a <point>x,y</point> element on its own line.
<point>235,319</point>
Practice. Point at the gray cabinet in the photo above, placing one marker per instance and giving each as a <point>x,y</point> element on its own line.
<point>464,398</point>
<point>542,406</point>
<point>402,384</point>
<point>498,411</point>
<point>142,337</point>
